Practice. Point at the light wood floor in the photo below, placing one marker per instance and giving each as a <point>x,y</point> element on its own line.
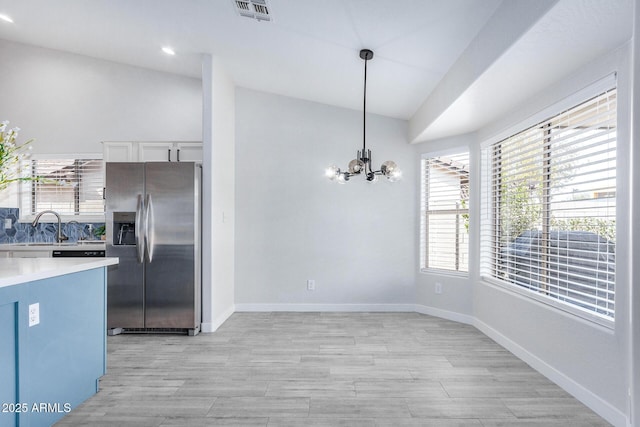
<point>325,369</point>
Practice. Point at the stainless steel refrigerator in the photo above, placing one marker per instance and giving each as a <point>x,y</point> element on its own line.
<point>153,225</point>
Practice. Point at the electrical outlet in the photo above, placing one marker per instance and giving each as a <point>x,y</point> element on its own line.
<point>7,223</point>
<point>34,314</point>
<point>438,288</point>
<point>311,285</point>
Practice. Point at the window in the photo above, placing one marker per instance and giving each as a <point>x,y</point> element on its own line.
<point>445,213</point>
<point>71,187</point>
<point>549,208</point>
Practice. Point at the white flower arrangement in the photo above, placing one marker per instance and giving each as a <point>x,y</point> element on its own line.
<point>12,156</point>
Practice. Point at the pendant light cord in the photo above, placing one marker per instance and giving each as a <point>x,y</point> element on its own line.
<point>364,113</point>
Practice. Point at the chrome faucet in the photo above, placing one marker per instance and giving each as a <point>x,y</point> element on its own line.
<point>61,237</point>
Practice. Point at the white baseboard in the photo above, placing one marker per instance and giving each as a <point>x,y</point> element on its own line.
<point>444,314</point>
<point>218,321</point>
<point>601,407</point>
<point>326,307</point>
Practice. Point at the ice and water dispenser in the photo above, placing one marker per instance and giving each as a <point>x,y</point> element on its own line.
<point>124,228</point>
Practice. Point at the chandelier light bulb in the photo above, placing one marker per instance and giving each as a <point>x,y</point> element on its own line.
<point>356,166</point>
<point>396,175</point>
<point>388,167</point>
<point>332,172</point>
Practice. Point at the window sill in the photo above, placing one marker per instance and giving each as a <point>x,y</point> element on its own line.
<point>441,272</point>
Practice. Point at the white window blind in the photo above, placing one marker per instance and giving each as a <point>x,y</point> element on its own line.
<point>549,208</point>
<point>71,187</point>
<point>444,234</point>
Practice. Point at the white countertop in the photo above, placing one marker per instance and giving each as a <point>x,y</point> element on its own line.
<point>14,271</point>
<point>93,246</point>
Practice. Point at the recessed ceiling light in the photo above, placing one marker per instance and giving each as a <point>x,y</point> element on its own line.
<point>168,50</point>
<point>6,18</point>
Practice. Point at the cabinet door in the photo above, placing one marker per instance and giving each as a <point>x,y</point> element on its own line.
<point>118,152</point>
<point>156,152</point>
<point>31,254</point>
<point>9,367</point>
<point>189,151</point>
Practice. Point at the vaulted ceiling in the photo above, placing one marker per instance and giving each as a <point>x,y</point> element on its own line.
<point>435,63</point>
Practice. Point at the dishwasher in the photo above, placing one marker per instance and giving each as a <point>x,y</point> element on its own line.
<point>78,253</point>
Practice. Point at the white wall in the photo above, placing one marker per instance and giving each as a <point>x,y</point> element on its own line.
<point>292,224</point>
<point>69,103</point>
<point>588,360</point>
<point>634,296</point>
<point>456,300</point>
<point>218,194</point>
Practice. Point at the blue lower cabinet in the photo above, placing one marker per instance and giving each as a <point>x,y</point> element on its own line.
<point>8,363</point>
<point>61,358</point>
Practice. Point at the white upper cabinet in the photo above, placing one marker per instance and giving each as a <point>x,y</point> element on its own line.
<point>117,151</point>
<point>156,152</point>
<point>152,151</point>
<point>188,151</point>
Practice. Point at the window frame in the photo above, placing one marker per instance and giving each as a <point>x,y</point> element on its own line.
<point>424,213</point>
<point>490,220</point>
<point>26,215</point>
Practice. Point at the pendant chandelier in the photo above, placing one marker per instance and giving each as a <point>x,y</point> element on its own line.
<point>361,165</point>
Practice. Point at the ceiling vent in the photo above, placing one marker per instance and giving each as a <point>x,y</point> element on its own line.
<point>255,9</point>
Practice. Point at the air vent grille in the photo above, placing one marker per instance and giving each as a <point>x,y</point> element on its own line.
<point>255,9</point>
<point>243,5</point>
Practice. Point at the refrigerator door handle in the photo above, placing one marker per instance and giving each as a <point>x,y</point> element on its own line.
<point>139,231</point>
<point>149,228</point>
